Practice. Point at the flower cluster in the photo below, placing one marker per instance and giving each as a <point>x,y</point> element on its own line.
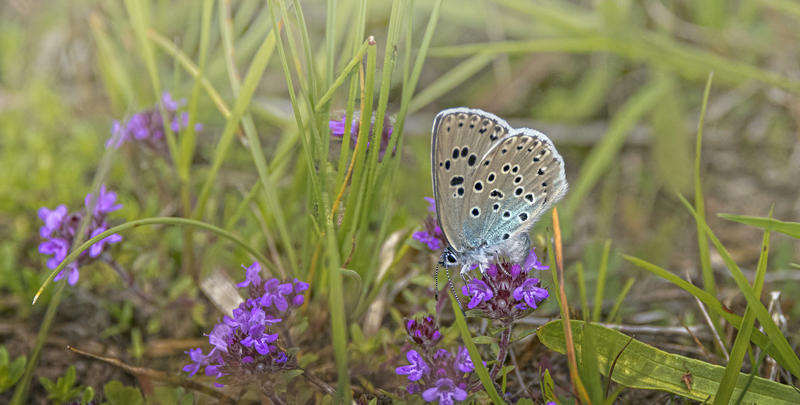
<point>506,292</point>
<point>147,127</point>
<point>437,375</point>
<point>244,349</point>
<point>432,235</point>
<point>337,127</point>
<point>60,229</point>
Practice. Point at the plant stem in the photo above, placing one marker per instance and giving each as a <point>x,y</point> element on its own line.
<point>505,339</point>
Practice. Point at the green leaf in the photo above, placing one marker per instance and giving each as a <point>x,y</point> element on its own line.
<point>117,394</point>
<point>645,367</point>
<point>484,340</point>
<point>525,333</point>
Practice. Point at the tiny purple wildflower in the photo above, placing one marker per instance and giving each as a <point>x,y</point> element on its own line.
<point>532,262</point>
<point>337,127</point>
<point>147,127</point>
<point>52,219</point>
<point>531,292</point>
<point>104,204</point>
<point>432,234</point>
<point>252,275</point>
<point>445,392</point>
<point>479,290</point>
<point>60,229</point>
<point>416,369</point>
<point>198,358</point>
<point>463,361</point>
<point>275,292</point>
<point>431,204</point>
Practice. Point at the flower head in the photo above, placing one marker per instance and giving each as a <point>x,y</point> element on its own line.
<point>338,127</point>
<point>445,392</point>
<point>244,349</point>
<point>146,127</point>
<point>423,331</point>
<point>60,230</point>
<point>416,369</point>
<point>432,234</point>
<point>507,292</point>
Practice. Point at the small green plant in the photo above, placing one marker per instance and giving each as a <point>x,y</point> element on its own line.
<point>64,389</point>
<point>10,372</point>
<point>117,394</point>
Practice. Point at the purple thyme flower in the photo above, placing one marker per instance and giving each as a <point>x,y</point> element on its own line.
<point>431,204</point>
<point>98,247</point>
<point>104,204</point>
<point>147,127</point>
<point>445,392</point>
<point>198,358</point>
<point>416,369</point>
<point>531,292</point>
<point>275,292</point>
<point>251,275</point>
<point>245,352</point>
<point>60,229</point>
<point>337,127</point>
<point>532,262</point>
<point>506,292</point>
<point>463,361</point>
<point>423,331</point>
<point>52,219</point>
<point>479,290</point>
<point>432,234</point>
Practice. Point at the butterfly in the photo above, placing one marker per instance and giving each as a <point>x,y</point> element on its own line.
<point>491,183</point>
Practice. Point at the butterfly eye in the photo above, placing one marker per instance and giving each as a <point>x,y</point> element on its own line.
<point>451,258</point>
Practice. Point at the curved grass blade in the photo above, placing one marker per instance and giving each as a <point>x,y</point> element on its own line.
<point>645,367</point>
<point>742,343</point>
<point>792,362</point>
<point>757,337</point>
<point>149,221</point>
<point>769,224</point>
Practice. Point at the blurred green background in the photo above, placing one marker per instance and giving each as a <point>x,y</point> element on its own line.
<point>616,84</point>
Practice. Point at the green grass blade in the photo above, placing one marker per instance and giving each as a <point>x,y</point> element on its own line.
<point>307,143</point>
<point>787,228</point>
<point>192,69</point>
<point>138,11</point>
<point>152,221</point>
<point>480,369</point>
<point>270,191</point>
<point>338,318</point>
<point>253,76</point>
<point>359,56</point>
<point>742,343</point>
<point>709,283</point>
<point>451,80</point>
<point>712,303</point>
<point>189,137</point>
<point>582,290</point>
<point>772,330</point>
<point>644,367</point>
<point>114,72</point>
<point>618,304</point>
<point>604,153</point>
<point>601,282</point>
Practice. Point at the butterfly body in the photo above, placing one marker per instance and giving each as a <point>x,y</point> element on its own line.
<point>491,184</point>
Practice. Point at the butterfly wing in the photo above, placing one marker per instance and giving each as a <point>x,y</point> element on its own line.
<point>519,178</point>
<point>461,138</point>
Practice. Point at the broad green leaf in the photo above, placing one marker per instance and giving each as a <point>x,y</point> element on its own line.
<point>645,367</point>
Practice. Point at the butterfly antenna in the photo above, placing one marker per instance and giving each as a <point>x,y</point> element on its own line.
<point>453,289</point>
<point>436,278</point>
